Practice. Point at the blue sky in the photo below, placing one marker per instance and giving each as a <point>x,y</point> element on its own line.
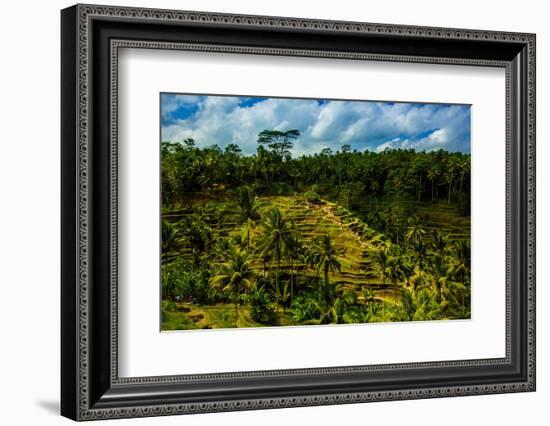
<point>371,125</point>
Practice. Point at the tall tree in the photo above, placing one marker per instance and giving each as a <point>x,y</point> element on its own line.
<point>197,234</point>
<point>407,268</point>
<point>346,148</point>
<point>420,249</point>
<point>246,201</point>
<point>433,174</point>
<point>170,238</point>
<point>440,243</point>
<point>380,267</point>
<point>279,142</point>
<point>452,165</point>
<point>278,237</point>
<point>439,270</point>
<point>419,166</point>
<point>234,276</point>
<point>325,258</point>
<point>415,230</point>
<point>294,253</point>
<point>462,256</point>
<point>395,268</point>
<point>464,168</point>
<point>233,149</point>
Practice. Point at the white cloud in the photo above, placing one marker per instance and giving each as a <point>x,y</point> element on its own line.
<point>364,125</point>
<point>438,136</point>
<point>172,103</point>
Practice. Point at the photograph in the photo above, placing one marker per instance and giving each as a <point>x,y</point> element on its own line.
<point>293,212</point>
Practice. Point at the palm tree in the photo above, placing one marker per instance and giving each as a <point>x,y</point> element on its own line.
<point>410,306</point>
<point>407,269</point>
<point>260,301</point>
<point>263,160</point>
<point>393,222</point>
<point>307,258</point>
<point>462,256</point>
<point>464,167</point>
<point>325,258</point>
<point>278,237</point>
<point>294,253</point>
<point>439,271</point>
<point>246,201</point>
<point>457,298</point>
<point>420,249</point>
<point>170,238</point>
<point>452,165</point>
<point>395,268</point>
<point>198,235</point>
<point>234,276</point>
<point>439,243</point>
<point>334,308</point>
<point>419,165</point>
<point>380,267</point>
<point>373,187</point>
<point>415,230</point>
<point>433,174</point>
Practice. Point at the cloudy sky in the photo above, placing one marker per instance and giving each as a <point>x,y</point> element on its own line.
<point>323,123</point>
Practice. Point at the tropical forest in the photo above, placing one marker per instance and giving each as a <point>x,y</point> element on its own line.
<point>341,235</point>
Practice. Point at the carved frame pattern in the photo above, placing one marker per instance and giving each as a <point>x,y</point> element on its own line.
<point>85,13</point>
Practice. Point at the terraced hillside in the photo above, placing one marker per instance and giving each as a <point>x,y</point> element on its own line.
<point>354,242</point>
<point>443,217</point>
<point>352,238</point>
<point>434,216</point>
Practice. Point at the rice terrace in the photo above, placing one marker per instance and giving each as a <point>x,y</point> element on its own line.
<point>279,212</point>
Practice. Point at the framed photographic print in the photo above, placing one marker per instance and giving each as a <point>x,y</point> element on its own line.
<point>263,212</point>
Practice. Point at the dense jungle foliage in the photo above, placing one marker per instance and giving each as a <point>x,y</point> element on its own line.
<point>335,237</point>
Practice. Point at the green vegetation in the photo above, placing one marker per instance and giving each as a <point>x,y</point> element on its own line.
<point>345,237</point>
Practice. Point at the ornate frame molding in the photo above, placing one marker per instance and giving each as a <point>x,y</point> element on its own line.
<point>82,17</point>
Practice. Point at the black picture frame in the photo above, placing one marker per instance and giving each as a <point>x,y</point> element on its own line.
<point>90,386</point>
